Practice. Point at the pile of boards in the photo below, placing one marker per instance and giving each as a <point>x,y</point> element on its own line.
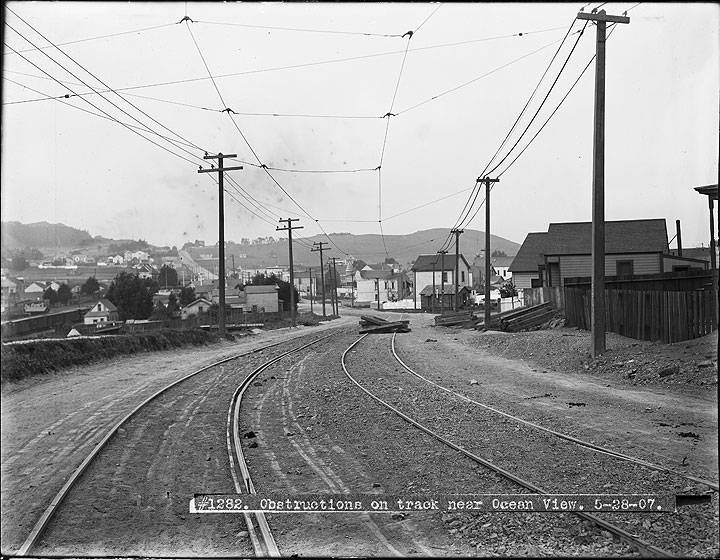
<point>527,318</point>
<point>373,324</point>
<point>523,319</point>
<point>464,318</point>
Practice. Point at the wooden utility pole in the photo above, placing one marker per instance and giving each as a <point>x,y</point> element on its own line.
<point>598,189</point>
<point>312,311</point>
<point>488,181</point>
<point>377,292</point>
<point>434,296</point>
<point>457,233</point>
<point>320,248</point>
<point>678,235</point>
<point>220,170</point>
<point>442,280</point>
<point>289,228</point>
<point>337,301</point>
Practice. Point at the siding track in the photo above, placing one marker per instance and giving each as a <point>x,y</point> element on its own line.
<point>640,545</point>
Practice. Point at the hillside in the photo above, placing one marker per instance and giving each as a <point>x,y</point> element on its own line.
<point>16,235</point>
<point>368,247</point>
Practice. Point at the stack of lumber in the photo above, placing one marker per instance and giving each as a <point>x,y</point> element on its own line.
<point>373,324</point>
<point>455,318</point>
<point>527,317</point>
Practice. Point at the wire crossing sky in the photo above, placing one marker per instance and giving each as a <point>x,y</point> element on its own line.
<point>109,108</point>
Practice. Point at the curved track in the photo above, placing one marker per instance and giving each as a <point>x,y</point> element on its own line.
<point>577,441</point>
<point>265,545</point>
<point>42,523</point>
<point>642,546</point>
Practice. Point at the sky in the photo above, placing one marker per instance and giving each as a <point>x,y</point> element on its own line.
<point>454,89</point>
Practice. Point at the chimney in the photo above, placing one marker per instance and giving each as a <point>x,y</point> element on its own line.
<point>679,238</point>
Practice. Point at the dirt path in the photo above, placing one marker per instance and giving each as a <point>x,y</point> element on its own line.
<point>50,423</point>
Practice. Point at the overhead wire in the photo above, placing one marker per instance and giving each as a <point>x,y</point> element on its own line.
<point>75,42</point>
<point>314,63</point>
<point>297,29</point>
<point>107,114</point>
<point>99,80</point>
<point>250,147</point>
<point>93,113</point>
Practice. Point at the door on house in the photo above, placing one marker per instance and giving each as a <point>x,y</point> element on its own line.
<point>624,268</point>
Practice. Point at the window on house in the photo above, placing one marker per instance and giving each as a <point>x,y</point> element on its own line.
<point>682,268</point>
<point>444,277</point>
<point>536,282</point>
<point>462,276</point>
<point>624,268</point>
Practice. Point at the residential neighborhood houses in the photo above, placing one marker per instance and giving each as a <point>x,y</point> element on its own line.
<point>427,283</point>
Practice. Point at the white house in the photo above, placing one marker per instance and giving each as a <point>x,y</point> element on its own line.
<point>263,297</point>
<point>102,312</point>
<point>200,305</point>
<point>388,285</point>
<point>432,269</point>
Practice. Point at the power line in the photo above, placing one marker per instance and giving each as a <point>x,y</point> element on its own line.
<point>315,63</point>
<point>298,29</point>
<point>96,114</point>
<point>475,79</point>
<point>427,18</point>
<point>141,30</point>
<point>99,80</point>
<point>131,129</point>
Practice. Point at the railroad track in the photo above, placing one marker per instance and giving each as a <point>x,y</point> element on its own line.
<point>566,437</point>
<point>644,548</point>
<point>264,545</point>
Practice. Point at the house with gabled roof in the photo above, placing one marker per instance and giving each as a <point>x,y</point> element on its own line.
<point>384,282</point>
<point>432,269</point>
<point>632,247</point>
<point>104,311</point>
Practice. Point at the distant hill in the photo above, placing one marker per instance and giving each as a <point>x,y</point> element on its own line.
<point>368,247</point>
<point>16,235</point>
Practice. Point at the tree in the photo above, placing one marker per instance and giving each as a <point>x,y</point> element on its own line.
<point>168,277</point>
<point>132,295</point>
<point>90,287</point>
<point>498,253</point>
<point>508,289</point>
<point>187,296</point>
<point>50,295</point>
<point>64,294</point>
<point>18,263</point>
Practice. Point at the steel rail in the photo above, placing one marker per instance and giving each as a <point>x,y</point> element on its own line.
<point>42,523</point>
<point>267,547</point>
<point>580,442</point>
<point>643,547</point>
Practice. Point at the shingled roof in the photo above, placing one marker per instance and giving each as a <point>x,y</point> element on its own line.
<point>425,263</point>
<point>530,254</point>
<point>624,236</point>
<point>575,238</point>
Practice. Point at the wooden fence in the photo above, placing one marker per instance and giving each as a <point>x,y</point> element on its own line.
<point>536,296</point>
<point>669,316</point>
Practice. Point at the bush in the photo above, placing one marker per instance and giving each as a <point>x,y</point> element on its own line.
<point>42,356</point>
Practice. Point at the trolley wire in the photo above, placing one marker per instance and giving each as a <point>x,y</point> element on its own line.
<point>298,29</point>
<point>314,63</point>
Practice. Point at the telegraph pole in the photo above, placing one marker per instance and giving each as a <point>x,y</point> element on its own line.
<point>434,295</point>
<point>337,301</point>
<point>442,281</point>
<point>457,233</point>
<point>312,311</point>
<point>322,270</point>
<point>488,181</point>
<point>220,170</point>
<point>598,189</point>
<point>289,228</point>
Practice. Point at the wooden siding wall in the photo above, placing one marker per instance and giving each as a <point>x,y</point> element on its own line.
<point>581,265</point>
<point>647,314</point>
<point>523,280</point>
<point>669,262</point>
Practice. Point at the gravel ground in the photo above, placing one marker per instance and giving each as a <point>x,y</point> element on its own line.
<point>61,416</point>
<point>133,499</point>
<point>627,361</point>
<point>316,431</point>
<point>556,465</point>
